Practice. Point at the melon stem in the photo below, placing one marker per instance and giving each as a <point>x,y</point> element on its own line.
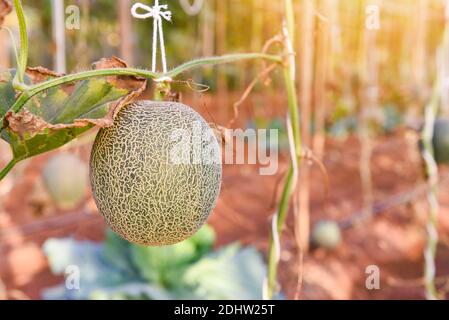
<point>31,91</point>
<point>290,184</point>
<point>7,169</point>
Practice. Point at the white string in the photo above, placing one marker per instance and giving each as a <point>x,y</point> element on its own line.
<point>59,35</point>
<point>191,9</point>
<point>157,13</point>
<point>276,240</point>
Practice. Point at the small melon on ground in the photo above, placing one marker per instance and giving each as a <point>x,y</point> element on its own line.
<point>441,140</point>
<point>156,173</point>
<point>65,178</point>
<point>326,234</point>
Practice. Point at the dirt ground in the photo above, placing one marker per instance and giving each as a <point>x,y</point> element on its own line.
<point>393,239</point>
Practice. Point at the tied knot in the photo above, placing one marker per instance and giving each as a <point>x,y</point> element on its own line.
<point>155,12</point>
<point>158,13</point>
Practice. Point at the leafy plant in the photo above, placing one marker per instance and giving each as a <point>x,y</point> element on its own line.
<point>117,269</point>
<point>231,272</point>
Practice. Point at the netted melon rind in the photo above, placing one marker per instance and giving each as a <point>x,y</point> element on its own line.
<point>142,194</point>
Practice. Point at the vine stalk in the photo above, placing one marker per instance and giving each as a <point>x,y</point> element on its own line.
<point>296,148</point>
<point>33,90</point>
<point>23,53</point>
<point>27,92</point>
<point>7,169</point>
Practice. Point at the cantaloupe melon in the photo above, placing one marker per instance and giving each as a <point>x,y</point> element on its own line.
<point>145,195</point>
<point>65,177</point>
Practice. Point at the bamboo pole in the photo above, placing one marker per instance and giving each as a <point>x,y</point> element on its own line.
<point>444,69</point>
<point>221,9</point>
<point>5,50</point>
<point>291,180</point>
<point>431,171</point>
<point>82,49</point>
<point>368,72</point>
<point>431,111</point>
<point>192,9</point>
<point>322,64</point>
<point>58,15</point>
<point>336,41</point>
<point>306,52</point>
<point>419,52</point>
<point>257,24</point>
<point>206,21</point>
<point>126,31</point>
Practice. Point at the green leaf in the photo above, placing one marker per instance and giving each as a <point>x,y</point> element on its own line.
<point>7,93</point>
<point>117,253</point>
<point>55,117</point>
<point>166,265</point>
<point>204,239</point>
<point>86,255</point>
<point>163,265</point>
<point>99,278</point>
<point>231,273</point>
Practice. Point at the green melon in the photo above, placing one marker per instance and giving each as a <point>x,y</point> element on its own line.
<point>326,234</point>
<point>65,178</point>
<point>441,140</point>
<point>147,191</point>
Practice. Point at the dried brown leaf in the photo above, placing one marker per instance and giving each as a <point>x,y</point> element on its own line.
<point>41,74</point>
<point>24,122</point>
<point>135,85</point>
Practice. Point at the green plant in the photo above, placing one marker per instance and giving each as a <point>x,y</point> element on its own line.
<point>290,184</point>
<point>42,111</point>
<point>433,139</point>
<point>65,177</point>
<point>431,172</point>
<point>117,269</point>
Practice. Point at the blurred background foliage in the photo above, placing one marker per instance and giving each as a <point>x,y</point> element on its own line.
<point>405,46</point>
<point>117,269</point>
<point>347,75</point>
